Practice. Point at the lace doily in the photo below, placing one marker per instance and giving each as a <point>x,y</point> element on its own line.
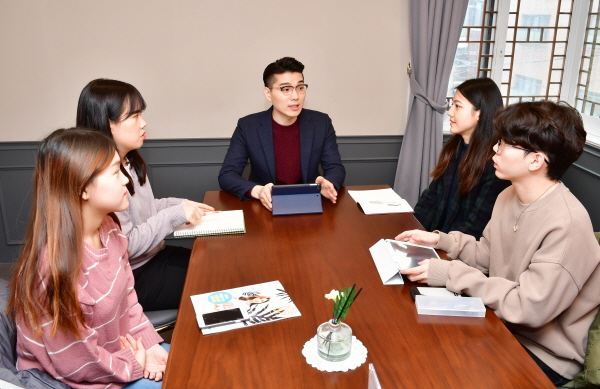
<point>358,356</point>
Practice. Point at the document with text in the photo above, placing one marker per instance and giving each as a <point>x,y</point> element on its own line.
<point>380,201</point>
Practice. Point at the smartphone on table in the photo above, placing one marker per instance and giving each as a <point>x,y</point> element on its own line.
<point>218,318</point>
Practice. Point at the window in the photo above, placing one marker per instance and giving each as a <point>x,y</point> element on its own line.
<point>588,86</point>
<point>536,44</point>
<point>526,86</point>
<point>536,34</point>
<point>476,44</point>
<point>535,50</point>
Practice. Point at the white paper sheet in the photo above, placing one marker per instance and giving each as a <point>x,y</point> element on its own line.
<point>380,201</point>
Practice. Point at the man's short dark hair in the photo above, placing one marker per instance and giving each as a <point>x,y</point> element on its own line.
<point>282,65</point>
<point>555,129</point>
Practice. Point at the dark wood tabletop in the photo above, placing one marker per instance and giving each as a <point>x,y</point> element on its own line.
<point>311,255</point>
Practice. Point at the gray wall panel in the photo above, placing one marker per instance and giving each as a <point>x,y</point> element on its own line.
<point>17,160</point>
<point>188,181</point>
<point>370,147</point>
<point>583,179</point>
<point>17,154</point>
<point>15,197</point>
<point>188,167</point>
<point>185,151</point>
<point>183,168</point>
<point>15,200</point>
<point>370,172</point>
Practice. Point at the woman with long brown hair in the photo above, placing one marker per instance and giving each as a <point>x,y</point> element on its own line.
<point>72,296</point>
<point>464,187</point>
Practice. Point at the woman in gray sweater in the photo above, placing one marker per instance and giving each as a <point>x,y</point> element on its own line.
<point>115,108</point>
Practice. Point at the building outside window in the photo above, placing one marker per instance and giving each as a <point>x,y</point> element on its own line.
<point>534,50</point>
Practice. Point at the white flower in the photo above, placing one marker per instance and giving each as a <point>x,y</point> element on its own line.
<point>332,295</point>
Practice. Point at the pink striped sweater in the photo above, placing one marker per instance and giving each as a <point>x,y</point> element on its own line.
<point>110,308</point>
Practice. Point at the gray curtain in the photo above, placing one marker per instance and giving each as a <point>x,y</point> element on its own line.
<point>434,32</point>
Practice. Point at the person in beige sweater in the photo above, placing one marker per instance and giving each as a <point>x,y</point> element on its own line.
<point>536,264</point>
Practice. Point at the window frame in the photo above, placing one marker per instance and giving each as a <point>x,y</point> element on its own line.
<point>575,45</point>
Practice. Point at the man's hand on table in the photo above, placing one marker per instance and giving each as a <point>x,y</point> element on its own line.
<point>263,193</point>
<point>327,189</point>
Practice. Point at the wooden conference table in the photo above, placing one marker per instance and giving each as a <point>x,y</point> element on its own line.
<point>310,255</point>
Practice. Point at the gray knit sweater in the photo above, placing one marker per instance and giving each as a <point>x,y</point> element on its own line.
<point>147,221</point>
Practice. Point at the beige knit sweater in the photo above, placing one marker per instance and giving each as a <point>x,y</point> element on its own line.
<point>543,279</point>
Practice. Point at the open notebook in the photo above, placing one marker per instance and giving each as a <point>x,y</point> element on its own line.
<point>215,223</point>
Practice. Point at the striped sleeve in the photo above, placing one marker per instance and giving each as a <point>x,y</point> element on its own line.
<point>73,360</point>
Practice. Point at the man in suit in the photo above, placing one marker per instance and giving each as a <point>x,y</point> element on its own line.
<point>285,144</point>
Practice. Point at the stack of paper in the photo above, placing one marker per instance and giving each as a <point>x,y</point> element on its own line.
<point>380,201</point>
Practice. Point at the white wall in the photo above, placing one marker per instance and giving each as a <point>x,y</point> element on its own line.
<point>199,63</point>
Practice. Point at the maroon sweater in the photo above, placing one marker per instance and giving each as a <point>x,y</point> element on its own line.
<point>286,145</point>
<point>286,142</point>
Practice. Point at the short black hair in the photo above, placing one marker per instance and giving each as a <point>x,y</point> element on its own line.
<point>555,129</point>
<point>282,65</point>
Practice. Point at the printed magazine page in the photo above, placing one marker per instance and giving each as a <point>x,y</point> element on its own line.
<point>264,303</point>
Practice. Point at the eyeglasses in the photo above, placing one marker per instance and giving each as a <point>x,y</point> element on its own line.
<point>500,143</point>
<point>288,89</point>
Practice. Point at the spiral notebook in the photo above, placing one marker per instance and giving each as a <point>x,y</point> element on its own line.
<point>215,223</point>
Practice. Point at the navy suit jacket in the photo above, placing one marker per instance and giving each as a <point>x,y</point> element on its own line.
<point>253,140</point>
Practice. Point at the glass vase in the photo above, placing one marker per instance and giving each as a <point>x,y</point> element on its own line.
<point>334,341</point>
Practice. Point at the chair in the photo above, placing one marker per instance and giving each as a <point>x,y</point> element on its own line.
<point>9,375</point>
<point>589,377</point>
<point>162,320</point>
